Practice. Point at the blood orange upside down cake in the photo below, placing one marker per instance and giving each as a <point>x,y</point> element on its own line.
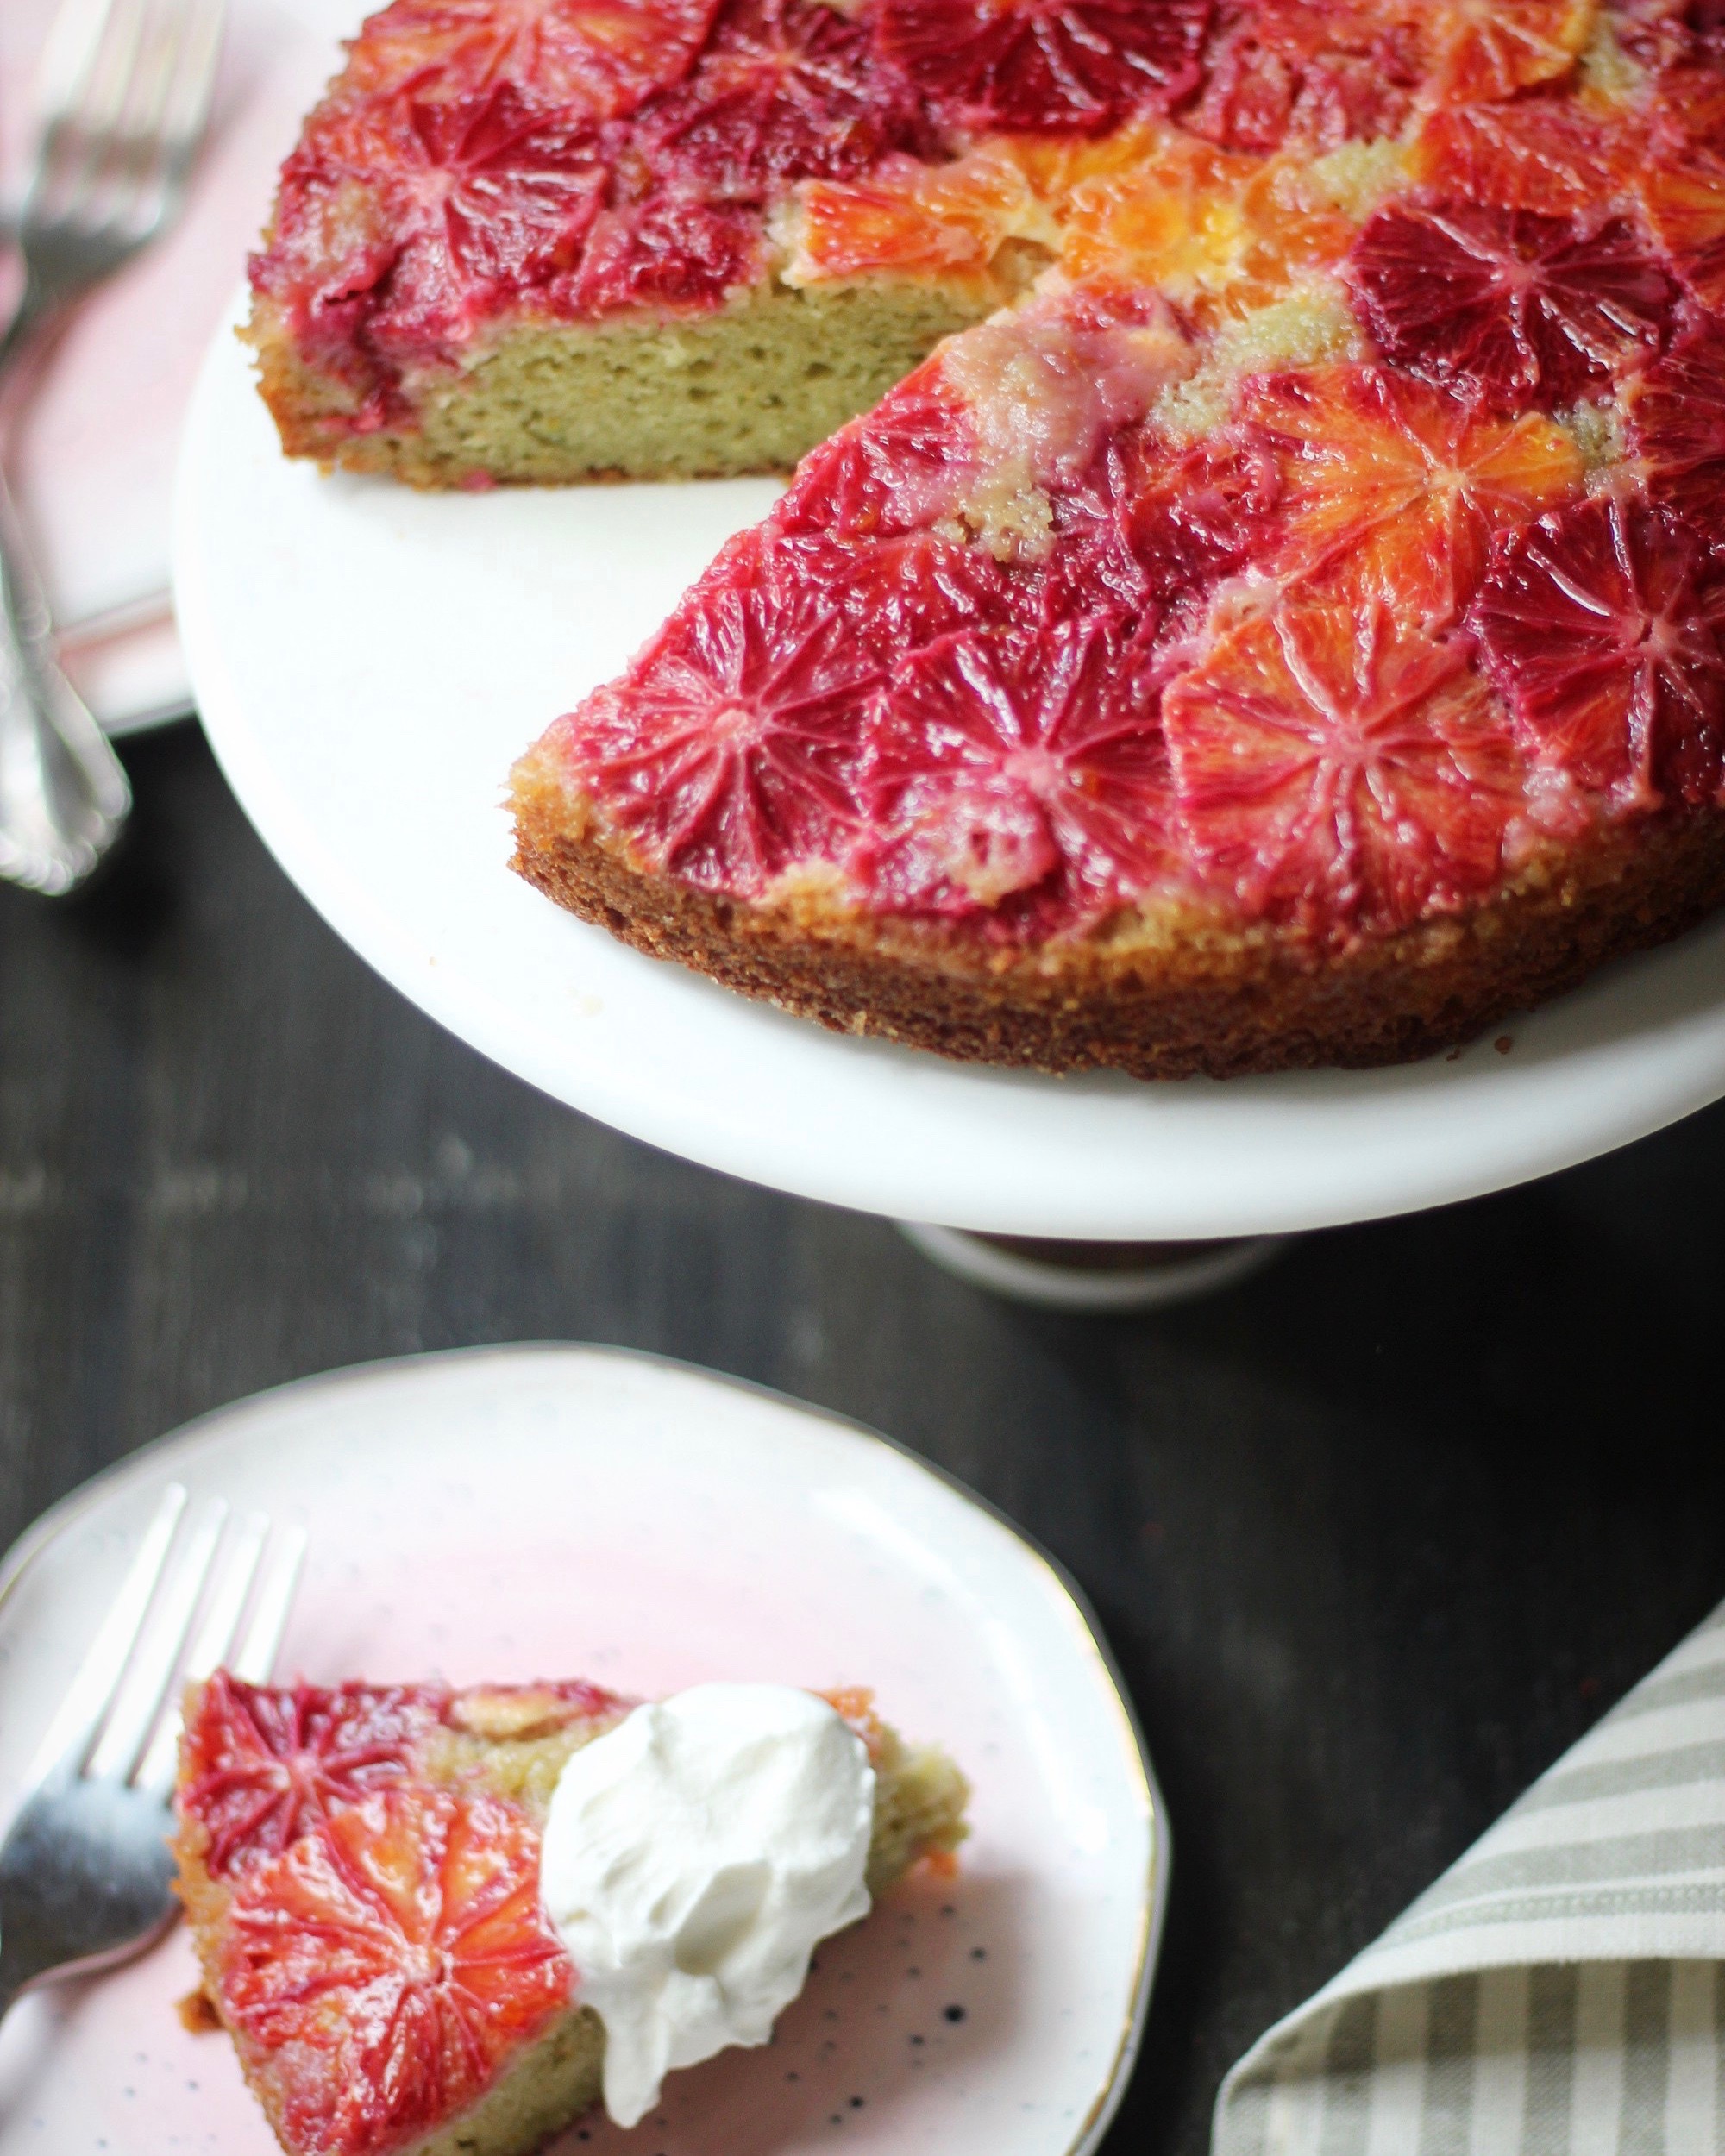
<point>437,1920</point>
<point>1288,628</point>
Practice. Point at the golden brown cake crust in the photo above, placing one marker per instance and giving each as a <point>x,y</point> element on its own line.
<point>1201,1001</point>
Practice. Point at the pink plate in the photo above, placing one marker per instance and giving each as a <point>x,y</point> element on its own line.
<point>529,1511</point>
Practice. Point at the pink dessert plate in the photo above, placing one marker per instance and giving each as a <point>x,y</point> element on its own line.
<point>369,661</point>
<point>515,1512</point>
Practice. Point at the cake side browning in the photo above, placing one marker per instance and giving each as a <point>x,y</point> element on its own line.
<point>1179,995</point>
<point>360,1867</point>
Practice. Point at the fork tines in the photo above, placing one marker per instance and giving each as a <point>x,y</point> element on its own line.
<point>201,1591</point>
<point>123,96</point>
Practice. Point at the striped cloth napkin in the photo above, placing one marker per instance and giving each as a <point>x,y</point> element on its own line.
<point>1560,1991</point>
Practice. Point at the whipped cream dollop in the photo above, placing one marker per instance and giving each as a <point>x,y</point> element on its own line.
<point>693,1858</point>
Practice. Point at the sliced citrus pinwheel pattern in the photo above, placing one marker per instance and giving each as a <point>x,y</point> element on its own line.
<point>1401,484</point>
<point>593,58</point>
<point>1604,625</point>
<point>395,1953</point>
<point>1343,773</point>
<point>1489,49</point>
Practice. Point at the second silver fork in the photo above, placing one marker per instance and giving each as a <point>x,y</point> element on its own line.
<point>85,1871</point>
<point>124,103</point>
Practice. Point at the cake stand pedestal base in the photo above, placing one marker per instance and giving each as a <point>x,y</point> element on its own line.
<point>1096,1276</point>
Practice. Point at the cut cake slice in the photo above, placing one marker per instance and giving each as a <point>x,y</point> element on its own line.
<point>359,1864</point>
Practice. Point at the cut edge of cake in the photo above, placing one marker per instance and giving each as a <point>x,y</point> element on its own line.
<point>749,388</point>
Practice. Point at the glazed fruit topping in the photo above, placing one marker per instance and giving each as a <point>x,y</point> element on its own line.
<point>727,752</point>
<point>1545,154</point>
<point>1342,772</point>
<point>1677,420</point>
<point>1046,66</point>
<point>1602,623</point>
<point>1400,485</point>
<point>1017,776</point>
<point>594,59</point>
<point>394,1954</point>
<point>1491,49</point>
<point>263,1765</point>
<point>786,88</point>
<point>1316,72</point>
<point>417,216</point>
<point>1524,308</point>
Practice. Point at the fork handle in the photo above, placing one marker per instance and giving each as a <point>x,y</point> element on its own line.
<point>63,794</point>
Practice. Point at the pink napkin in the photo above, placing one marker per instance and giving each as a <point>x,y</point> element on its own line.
<point>93,450</point>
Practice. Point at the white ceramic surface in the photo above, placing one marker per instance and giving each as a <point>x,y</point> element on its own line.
<point>542,1511</point>
<point>369,661</point>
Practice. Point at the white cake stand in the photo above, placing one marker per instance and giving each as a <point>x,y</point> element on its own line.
<point>368,662</point>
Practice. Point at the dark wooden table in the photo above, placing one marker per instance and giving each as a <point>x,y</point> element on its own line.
<point>1374,1536</point>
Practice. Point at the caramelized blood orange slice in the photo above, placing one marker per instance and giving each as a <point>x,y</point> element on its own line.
<point>948,220</point>
<point>1525,308</point>
<point>261,1766</point>
<point>671,249</point>
<point>395,1955</point>
<point>1016,779</point>
<point>727,751</point>
<point>786,88</point>
<point>891,471</point>
<point>1548,155</point>
<point>597,59</point>
<point>1046,66</point>
<point>1489,49</point>
<point>1401,484</point>
<point>1678,421</point>
<point>1341,772</point>
<point>415,221</point>
<point>1310,72</point>
<point>1602,625</point>
<point>1685,199</point>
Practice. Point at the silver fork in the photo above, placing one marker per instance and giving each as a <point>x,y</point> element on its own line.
<point>123,104</point>
<point>85,1871</point>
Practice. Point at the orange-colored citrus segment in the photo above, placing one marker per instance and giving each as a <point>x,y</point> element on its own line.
<point>1341,771</point>
<point>1403,483</point>
<point>1685,199</point>
<point>1538,154</point>
<point>945,220</point>
<point>1488,50</point>
<point>595,58</point>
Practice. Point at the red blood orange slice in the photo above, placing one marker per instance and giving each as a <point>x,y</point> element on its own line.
<point>1309,72</point>
<point>1492,49</point>
<point>1342,773</point>
<point>1685,199</point>
<point>1400,484</point>
<point>263,1766</point>
<point>597,59</point>
<point>727,752</point>
<point>786,88</point>
<point>1602,625</point>
<point>1548,155</point>
<point>670,249</point>
<point>396,1954</point>
<point>1016,779</point>
<point>1046,66</point>
<point>1523,307</point>
<point>890,472</point>
<point>411,223</point>
<point>1678,426</point>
